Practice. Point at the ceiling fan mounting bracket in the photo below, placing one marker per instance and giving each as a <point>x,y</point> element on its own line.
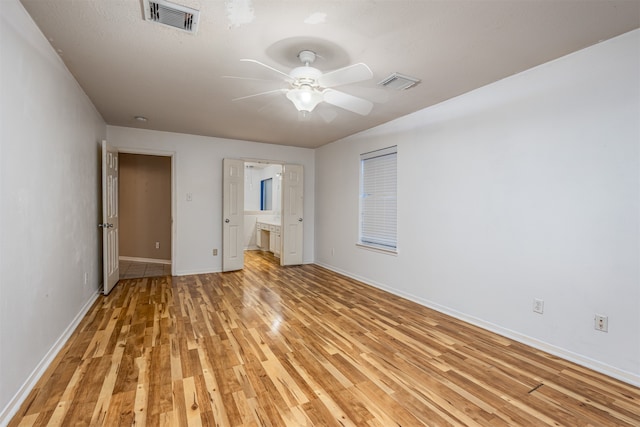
<point>307,57</point>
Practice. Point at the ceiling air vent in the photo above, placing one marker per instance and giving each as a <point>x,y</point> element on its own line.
<point>171,14</point>
<point>399,81</point>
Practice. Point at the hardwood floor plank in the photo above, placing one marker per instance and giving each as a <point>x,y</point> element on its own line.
<point>84,398</point>
<point>107,391</point>
<point>120,410</point>
<point>140,404</point>
<point>30,420</point>
<point>383,406</point>
<point>296,346</point>
<point>191,406</point>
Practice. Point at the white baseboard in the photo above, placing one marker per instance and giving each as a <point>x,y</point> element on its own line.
<point>147,260</point>
<point>192,272</point>
<point>18,399</point>
<point>603,368</point>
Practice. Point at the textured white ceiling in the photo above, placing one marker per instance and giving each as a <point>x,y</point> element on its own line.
<point>131,67</point>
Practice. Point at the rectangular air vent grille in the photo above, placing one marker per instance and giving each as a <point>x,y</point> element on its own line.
<point>399,81</point>
<point>173,15</point>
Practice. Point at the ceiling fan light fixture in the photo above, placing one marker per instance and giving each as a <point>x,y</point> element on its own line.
<point>308,86</point>
<point>305,98</point>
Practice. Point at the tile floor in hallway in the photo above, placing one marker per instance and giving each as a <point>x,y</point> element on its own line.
<point>133,269</point>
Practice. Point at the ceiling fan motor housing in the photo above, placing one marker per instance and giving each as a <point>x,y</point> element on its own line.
<point>305,76</point>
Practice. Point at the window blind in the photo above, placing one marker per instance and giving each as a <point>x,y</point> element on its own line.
<point>378,188</point>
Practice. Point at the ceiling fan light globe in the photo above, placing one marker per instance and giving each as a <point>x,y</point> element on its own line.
<point>305,98</point>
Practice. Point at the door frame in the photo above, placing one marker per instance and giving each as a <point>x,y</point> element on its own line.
<point>174,210</point>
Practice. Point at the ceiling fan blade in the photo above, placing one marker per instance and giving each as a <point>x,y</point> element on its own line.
<point>304,116</point>
<point>260,94</point>
<point>278,106</point>
<point>348,102</point>
<point>375,95</point>
<point>268,67</point>
<point>347,75</point>
<point>327,114</point>
<point>247,78</point>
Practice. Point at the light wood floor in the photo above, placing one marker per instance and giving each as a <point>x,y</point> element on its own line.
<point>273,346</point>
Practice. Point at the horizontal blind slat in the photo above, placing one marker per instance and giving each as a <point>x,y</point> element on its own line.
<point>378,212</point>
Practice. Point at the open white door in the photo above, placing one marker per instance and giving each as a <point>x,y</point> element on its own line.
<point>110,254</point>
<point>233,215</point>
<point>292,204</point>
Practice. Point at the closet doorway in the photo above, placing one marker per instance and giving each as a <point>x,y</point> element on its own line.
<point>145,211</point>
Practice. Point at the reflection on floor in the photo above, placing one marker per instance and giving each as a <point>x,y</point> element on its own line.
<point>134,270</point>
<point>266,255</point>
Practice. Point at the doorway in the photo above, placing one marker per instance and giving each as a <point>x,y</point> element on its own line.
<point>269,218</point>
<point>145,200</point>
<point>262,207</point>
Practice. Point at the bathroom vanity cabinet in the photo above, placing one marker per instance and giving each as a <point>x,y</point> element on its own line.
<point>268,237</point>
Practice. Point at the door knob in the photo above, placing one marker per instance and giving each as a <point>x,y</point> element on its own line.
<point>299,219</point>
<point>227,220</point>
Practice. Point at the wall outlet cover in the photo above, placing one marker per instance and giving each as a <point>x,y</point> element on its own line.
<point>601,323</point>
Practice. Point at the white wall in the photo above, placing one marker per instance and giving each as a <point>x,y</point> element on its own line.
<point>252,189</point>
<point>526,188</point>
<point>198,163</point>
<point>49,189</point>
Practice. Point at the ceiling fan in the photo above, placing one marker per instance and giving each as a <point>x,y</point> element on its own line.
<point>309,86</point>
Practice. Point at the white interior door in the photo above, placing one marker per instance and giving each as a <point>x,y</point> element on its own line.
<point>233,215</point>
<point>292,218</point>
<point>110,254</point>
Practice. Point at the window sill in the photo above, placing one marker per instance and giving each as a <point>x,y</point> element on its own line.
<point>379,249</point>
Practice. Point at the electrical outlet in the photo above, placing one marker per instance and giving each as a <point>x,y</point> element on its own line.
<point>86,277</point>
<point>157,245</point>
<point>189,197</point>
<point>538,306</point>
<point>601,323</point>
<point>215,252</point>
<point>333,251</point>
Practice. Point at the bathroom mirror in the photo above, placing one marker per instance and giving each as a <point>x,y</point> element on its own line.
<point>266,194</point>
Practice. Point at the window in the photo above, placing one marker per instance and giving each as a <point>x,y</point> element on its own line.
<point>378,188</point>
